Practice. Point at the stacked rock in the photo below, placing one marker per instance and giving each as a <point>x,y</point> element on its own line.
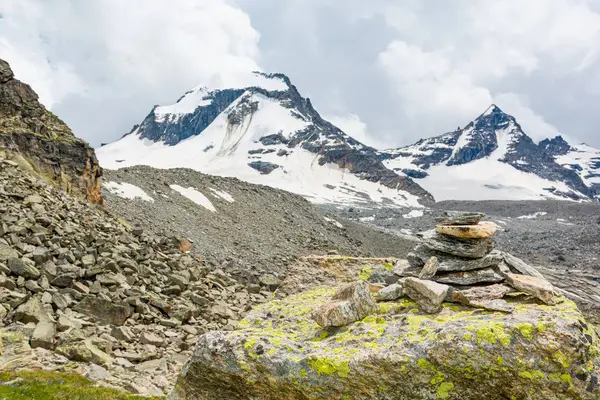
<point>457,262</point>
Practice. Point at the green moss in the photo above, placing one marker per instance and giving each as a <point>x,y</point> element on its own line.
<point>388,266</point>
<point>49,385</point>
<point>330,366</point>
<point>560,358</point>
<point>443,391</point>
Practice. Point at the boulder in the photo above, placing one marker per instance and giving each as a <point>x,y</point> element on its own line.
<point>428,295</point>
<point>43,335</point>
<point>103,311</point>
<point>85,351</point>
<point>352,302</point>
<point>23,267</point>
<point>482,230</point>
<point>535,353</point>
<point>460,218</point>
<point>429,269</point>
<point>537,287</point>
<point>467,248</point>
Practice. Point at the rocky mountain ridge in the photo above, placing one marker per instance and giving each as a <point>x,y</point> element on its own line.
<point>477,157</point>
<point>264,133</point>
<point>39,141</point>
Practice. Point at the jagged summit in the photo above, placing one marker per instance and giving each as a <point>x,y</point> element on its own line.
<point>493,158</point>
<point>264,132</point>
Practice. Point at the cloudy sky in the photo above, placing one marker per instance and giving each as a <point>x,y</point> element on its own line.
<point>388,72</point>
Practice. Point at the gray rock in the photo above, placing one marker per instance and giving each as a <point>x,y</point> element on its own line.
<point>43,335</point>
<point>150,338</point>
<point>429,269</point>
<point>270,281</point>
<point>428,295</point>
<point>351,302</point>
<point>520,267</point>
<point>390,293</point>
<point>23,267</point>
<point>61,301</point>
<point>488,275</point>
<point>493,305</point>
<point>103,311</point>
<point>85,351</point>
<point>467,248</point>
<point>447,263</point>
<point>460,218</point>
<point>123,333</point>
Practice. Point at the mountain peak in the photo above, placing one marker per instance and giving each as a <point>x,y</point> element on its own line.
<point>493,109</point>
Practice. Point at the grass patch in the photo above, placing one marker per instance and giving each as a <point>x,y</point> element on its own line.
<point>48,385</point>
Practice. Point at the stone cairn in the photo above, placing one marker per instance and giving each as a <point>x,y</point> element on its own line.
<point>455,262</point>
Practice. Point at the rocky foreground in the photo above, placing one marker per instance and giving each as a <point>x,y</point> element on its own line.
<point>82,290</point>
<point>495,330</point>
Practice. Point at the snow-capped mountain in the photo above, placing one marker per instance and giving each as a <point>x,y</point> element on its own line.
<point>266,133</point>
<point>493,159</point>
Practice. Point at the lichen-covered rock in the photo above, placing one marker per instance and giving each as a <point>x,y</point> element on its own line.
<point>538,353</point>
<point>40,142</point>
<point>352,302</point>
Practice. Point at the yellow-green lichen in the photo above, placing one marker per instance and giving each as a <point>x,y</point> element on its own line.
<point>330,366</point>
<point>526,330</point>
<point>365,274</point>
<point>443,391</point>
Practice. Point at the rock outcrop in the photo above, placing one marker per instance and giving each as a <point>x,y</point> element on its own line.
<point>39,141</point>
<point>537,352</point>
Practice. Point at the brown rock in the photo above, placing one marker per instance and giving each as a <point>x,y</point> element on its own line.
<point>482,230</point>
<point>533,286</point>
<point>41,143</point>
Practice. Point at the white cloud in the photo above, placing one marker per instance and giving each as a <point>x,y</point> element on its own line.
<point>354,127</point>
<point>113,52</point>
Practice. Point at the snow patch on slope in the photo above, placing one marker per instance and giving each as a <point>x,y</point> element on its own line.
<point>197,97</point>
<point>195,196</point>
<point>588,160</point>
<point>127,191</point>
<point>223,195</point>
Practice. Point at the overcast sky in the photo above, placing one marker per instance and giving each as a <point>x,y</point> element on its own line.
<point>388,72</point>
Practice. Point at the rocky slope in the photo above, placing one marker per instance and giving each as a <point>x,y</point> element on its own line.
<point>252,228</point>
<point>38,140</point>
<point>265,133</point>
<point>493,158</point>
<point>82,290</point>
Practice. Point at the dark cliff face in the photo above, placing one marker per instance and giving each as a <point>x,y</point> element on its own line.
<point>319,137</point>
<point>42,143</point>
